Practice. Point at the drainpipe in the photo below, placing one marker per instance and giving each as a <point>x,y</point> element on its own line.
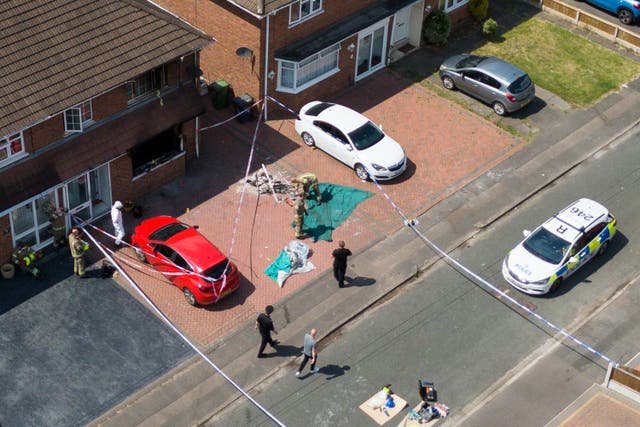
<point>197,137</point>
<point>266,68</point>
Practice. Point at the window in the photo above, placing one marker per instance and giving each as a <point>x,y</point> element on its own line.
<point>11,147</point>
<point>155,152</point>
<point>449,5</point>
<point>78,117</point>
<point>146,83</point>
<point>30,222</point>
<point>303,9</point>
<point>296,76</point>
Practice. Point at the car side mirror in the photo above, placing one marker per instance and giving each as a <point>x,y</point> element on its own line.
<point>526,233</point>
<point>196,227</point>
<point>380,126</point>
<point>573,259</point>
<point>348,147</point>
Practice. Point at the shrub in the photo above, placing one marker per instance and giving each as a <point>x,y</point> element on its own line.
<point>436,28</point>
<point>479,9</point>
<point>490,27</point>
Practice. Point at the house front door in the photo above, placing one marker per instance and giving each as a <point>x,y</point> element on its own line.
<point>401,26</point>
<point>371,50</point>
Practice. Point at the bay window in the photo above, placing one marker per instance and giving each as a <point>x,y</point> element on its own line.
<point>296,76</point>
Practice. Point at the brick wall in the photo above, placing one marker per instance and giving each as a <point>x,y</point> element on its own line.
<point>43,134</point>
<point>188,130</point>
<point>109,103</point>
<point>124,187</point>
<point>6,247</point>
<point>232,28</point>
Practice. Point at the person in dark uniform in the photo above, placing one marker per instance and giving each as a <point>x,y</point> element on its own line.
<point>340,263</point>
<point>264,325</point>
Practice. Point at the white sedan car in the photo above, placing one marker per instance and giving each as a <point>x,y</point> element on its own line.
<point>351,138</point>
<point>559,247</point>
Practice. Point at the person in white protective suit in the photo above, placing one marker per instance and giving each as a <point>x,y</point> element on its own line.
<point>116,219</point>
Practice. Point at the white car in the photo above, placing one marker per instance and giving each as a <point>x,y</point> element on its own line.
<point>559,247</point>
<point>351,138</point>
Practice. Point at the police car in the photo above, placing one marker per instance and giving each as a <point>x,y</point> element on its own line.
<point>560,246</point>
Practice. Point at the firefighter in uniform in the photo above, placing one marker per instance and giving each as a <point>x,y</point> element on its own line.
<point>306,182</point>
<point>78,248</point>
<point>299,210</point>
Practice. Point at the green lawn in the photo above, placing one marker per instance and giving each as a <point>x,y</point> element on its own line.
<point>572,67</point>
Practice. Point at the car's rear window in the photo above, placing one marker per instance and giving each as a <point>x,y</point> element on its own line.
<point>317,109</point>
<point>520,85</point>
<point>547,246</point>
<point>216,271</point>
<point>365,136</point>
<point>168,231</point>
<point>470,61</point>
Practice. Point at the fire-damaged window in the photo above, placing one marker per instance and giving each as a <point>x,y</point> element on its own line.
<point>156,151</point>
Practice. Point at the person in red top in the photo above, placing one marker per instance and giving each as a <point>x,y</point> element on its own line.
<point>340,263</point>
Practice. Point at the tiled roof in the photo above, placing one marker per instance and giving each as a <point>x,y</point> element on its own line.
<point>55,54</point>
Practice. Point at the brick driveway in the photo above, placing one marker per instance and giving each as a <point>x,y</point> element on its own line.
<point>447,147</point>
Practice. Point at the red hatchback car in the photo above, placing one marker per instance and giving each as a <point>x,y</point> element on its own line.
<point>187,258</point>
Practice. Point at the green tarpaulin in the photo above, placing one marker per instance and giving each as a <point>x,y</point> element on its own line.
<point>337,204</point>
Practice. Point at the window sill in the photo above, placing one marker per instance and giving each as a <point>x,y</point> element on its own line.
<point>155,164</point>
<point>309,83</point>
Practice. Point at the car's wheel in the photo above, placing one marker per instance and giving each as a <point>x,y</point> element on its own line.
<point>139,254</point>
<point>625,16</point>
<point>361,172</point>
<point>555,285</point>
<point>308,139</point>
<point>448,83</point>
<point>188,295</point>
<point>603,248</point>
<point>498,108</point>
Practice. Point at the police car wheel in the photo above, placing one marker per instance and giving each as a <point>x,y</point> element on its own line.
<point>555,285</point>
<point>188,295</point>
<point>603,248</point>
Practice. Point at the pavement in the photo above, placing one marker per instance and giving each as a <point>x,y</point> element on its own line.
<point>461,178</point>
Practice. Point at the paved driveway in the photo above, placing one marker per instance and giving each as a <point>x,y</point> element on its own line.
<point>447,147</point>
<point>73,348</point>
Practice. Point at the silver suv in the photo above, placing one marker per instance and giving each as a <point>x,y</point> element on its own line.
<point>503,86</point>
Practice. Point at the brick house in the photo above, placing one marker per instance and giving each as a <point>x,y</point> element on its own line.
<point>300,50</point>
<point>99,102</point>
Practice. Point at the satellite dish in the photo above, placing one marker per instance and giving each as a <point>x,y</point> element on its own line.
<point>244,52</point>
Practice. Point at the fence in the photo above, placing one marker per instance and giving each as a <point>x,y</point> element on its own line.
<point>584,19</point>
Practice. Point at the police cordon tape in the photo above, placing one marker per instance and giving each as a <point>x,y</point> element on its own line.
<point>139,266</point>
<point>175,329</point>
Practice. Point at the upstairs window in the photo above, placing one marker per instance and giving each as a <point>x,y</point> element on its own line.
<point>78,117</point>
<point>146,83</point>
<point>450,5</point>
<point>297,76</point>
<point>11,146</point>
<point>301,10</point>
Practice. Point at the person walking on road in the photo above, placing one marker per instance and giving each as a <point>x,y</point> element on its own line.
<point>264,325</point>
<point>309,352</point>
<point>116,219</point>
<point>78,248</point>
<point>340,262</point>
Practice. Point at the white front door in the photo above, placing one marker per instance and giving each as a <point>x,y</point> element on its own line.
<point>371,49</point>
<point>401,25</point>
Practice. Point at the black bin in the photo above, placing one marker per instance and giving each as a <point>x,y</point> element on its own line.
<point>244,103</point>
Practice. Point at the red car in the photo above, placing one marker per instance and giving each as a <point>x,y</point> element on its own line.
<point>187,258</point>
